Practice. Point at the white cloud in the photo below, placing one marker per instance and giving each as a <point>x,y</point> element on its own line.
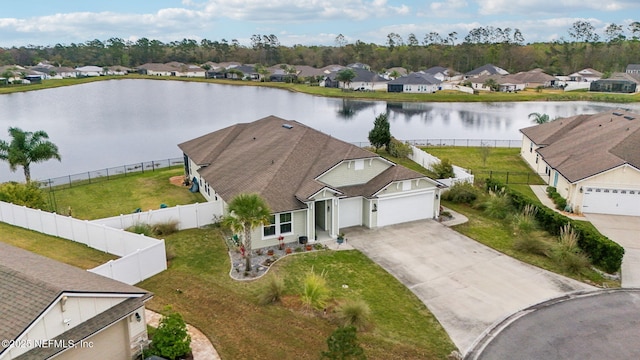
<point>551,7</point>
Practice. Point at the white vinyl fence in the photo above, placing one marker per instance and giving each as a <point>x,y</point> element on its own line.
<point>140,257</point>
<point>427,160</point>
<point>188,216</point>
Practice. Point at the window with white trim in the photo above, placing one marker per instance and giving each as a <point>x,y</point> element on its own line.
<point>279,224</point>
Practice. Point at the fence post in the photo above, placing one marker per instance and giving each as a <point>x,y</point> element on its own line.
<point>89,176</point>
<point>69,181</point>
<point>507,180</point>
<point>142,166</point>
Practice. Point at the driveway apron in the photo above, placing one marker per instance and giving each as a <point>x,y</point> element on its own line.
<point>466,285</point>
<point>625,230</point>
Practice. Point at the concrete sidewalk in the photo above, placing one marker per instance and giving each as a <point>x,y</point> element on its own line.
<point>465,284</point>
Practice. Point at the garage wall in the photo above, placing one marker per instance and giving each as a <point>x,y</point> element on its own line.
<point>623,177</point>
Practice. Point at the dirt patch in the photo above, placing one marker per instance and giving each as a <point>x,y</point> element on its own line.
<point>177,180</point>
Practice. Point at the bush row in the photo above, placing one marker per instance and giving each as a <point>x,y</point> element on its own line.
<point>561,203</point>
<point>603,252</point>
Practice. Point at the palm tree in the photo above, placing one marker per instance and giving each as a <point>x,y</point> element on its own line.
<point>345,76</point>
<point>27,147</point>
<point>246,212</point>
<point>539,118</point>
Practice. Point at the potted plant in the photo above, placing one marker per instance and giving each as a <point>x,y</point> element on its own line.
<point>288,250</point>
<point>270,252</point>
<point>309,247</point>
<point>340,238</point>
<point>281,242</point>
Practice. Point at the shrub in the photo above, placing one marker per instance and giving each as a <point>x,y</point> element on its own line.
<point>343,344</point>
<point>525,221</point>
<point>399,149</point>
<point>354,313</point>
<point>315,293</point>
<point>171,339</point>
<point>561,203</point>
<point>29,195</point>
<point>462,192</point>
<point>272,291</point>
<point>443,169</point>
<point>165,228</point>
<point>567,253</point>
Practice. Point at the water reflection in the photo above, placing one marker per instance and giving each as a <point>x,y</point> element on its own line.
<point>110,123</point>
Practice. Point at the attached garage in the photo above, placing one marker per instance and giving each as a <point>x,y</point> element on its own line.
<point>611,201</point>
<point>350,212</point>
<point>408,207</point>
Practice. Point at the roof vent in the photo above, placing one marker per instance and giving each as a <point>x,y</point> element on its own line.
<point>287,126</point>
<point>617,114</point>
<point>629,117</point>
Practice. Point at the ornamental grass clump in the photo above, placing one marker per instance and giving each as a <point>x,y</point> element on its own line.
<point>497,205</point>
<point>272,292</point>
<point>354,313</point>
<point>567,253</point>
<point>315,292</point>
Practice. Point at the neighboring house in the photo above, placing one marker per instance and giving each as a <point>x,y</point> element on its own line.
<point>506,83</point>
<point>620,82</point>
<point>308,72</point>
<point>442,73</point>
<point>248,72</point>
<point>633,69</point>
<point>416,82</point>
<point>485,70</point>
<point>364,80</point>
<point>55,305</point>
<point>155,69</point>
<point>315,184</point>
<point>585,75</point>
<point>397,71</point>
<point>185,70</point>
<point>535,78</point>
<point>118,70</point>
<point>89,71</point>
<point>592,160</point>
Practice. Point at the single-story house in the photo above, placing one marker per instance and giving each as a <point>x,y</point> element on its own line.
<point>364,80</point>
<point>416,82</point>
<point>633,69</point>
<point>57,310</point>
<point>592,160</point>
<point>585,75</point>
<point>485,70</point>
<point>156,69</point>
<point>315,184</point>
<point>627,83</point>
<point>535,78</point>
<point>90,70</point>
<point>506,83</point>
<point>443,74</point>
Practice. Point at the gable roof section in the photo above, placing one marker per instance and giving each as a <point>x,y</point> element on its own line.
<point>488,69</point>
<point>30,283</point>
<point>415,78</point>
<point>633,68</point>
<point>278,163</point>
<point>585,145</point>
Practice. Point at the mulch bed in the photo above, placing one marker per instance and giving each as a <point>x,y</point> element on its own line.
<point>263,258</point>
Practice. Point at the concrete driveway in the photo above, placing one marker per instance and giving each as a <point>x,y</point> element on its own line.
<point>625,230</point>
<point>466,285</point>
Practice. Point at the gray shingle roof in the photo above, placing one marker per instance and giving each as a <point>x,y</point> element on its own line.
<point>489,69</point>
<point>415,78</point>
<point>585,145</point>
<point>30,283</point>
<point>266,158</point>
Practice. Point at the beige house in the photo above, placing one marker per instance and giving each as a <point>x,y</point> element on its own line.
<point>315,185</point>
<point>592,160</point>
<point>53,310</point>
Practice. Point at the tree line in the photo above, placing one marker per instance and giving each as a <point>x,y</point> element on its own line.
<point>608,52</point>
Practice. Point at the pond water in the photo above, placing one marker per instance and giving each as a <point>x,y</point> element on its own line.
<point>116,122</point>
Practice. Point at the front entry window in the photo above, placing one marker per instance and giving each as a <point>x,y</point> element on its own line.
<point>270,230</point>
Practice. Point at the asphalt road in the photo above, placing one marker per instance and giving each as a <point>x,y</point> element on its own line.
<point>601,324</point>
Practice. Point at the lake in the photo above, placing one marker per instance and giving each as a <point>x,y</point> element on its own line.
<point>110,123</point>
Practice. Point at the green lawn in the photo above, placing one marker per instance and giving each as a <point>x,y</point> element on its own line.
<point>123,195</point>
<point>65,251</point>
<point>227,312</point>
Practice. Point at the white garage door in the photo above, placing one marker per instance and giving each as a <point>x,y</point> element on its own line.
<point>611,201</point>
<point>350,212</point>
<point>406,208</point>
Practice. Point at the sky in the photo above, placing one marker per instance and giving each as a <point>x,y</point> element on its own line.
<point>304,22</point>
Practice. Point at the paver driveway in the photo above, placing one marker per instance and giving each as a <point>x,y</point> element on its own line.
<point>466,285</point>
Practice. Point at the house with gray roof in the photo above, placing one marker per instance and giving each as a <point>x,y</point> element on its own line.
<point>416,82</point>
<point>633,69</point>
<point>365,80</point>
<point>315,184</point>
<point>535,78</point>
<point>50,309</point>
<point>592,160</point>
<point>506,83</point>
<point>485,70</point>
